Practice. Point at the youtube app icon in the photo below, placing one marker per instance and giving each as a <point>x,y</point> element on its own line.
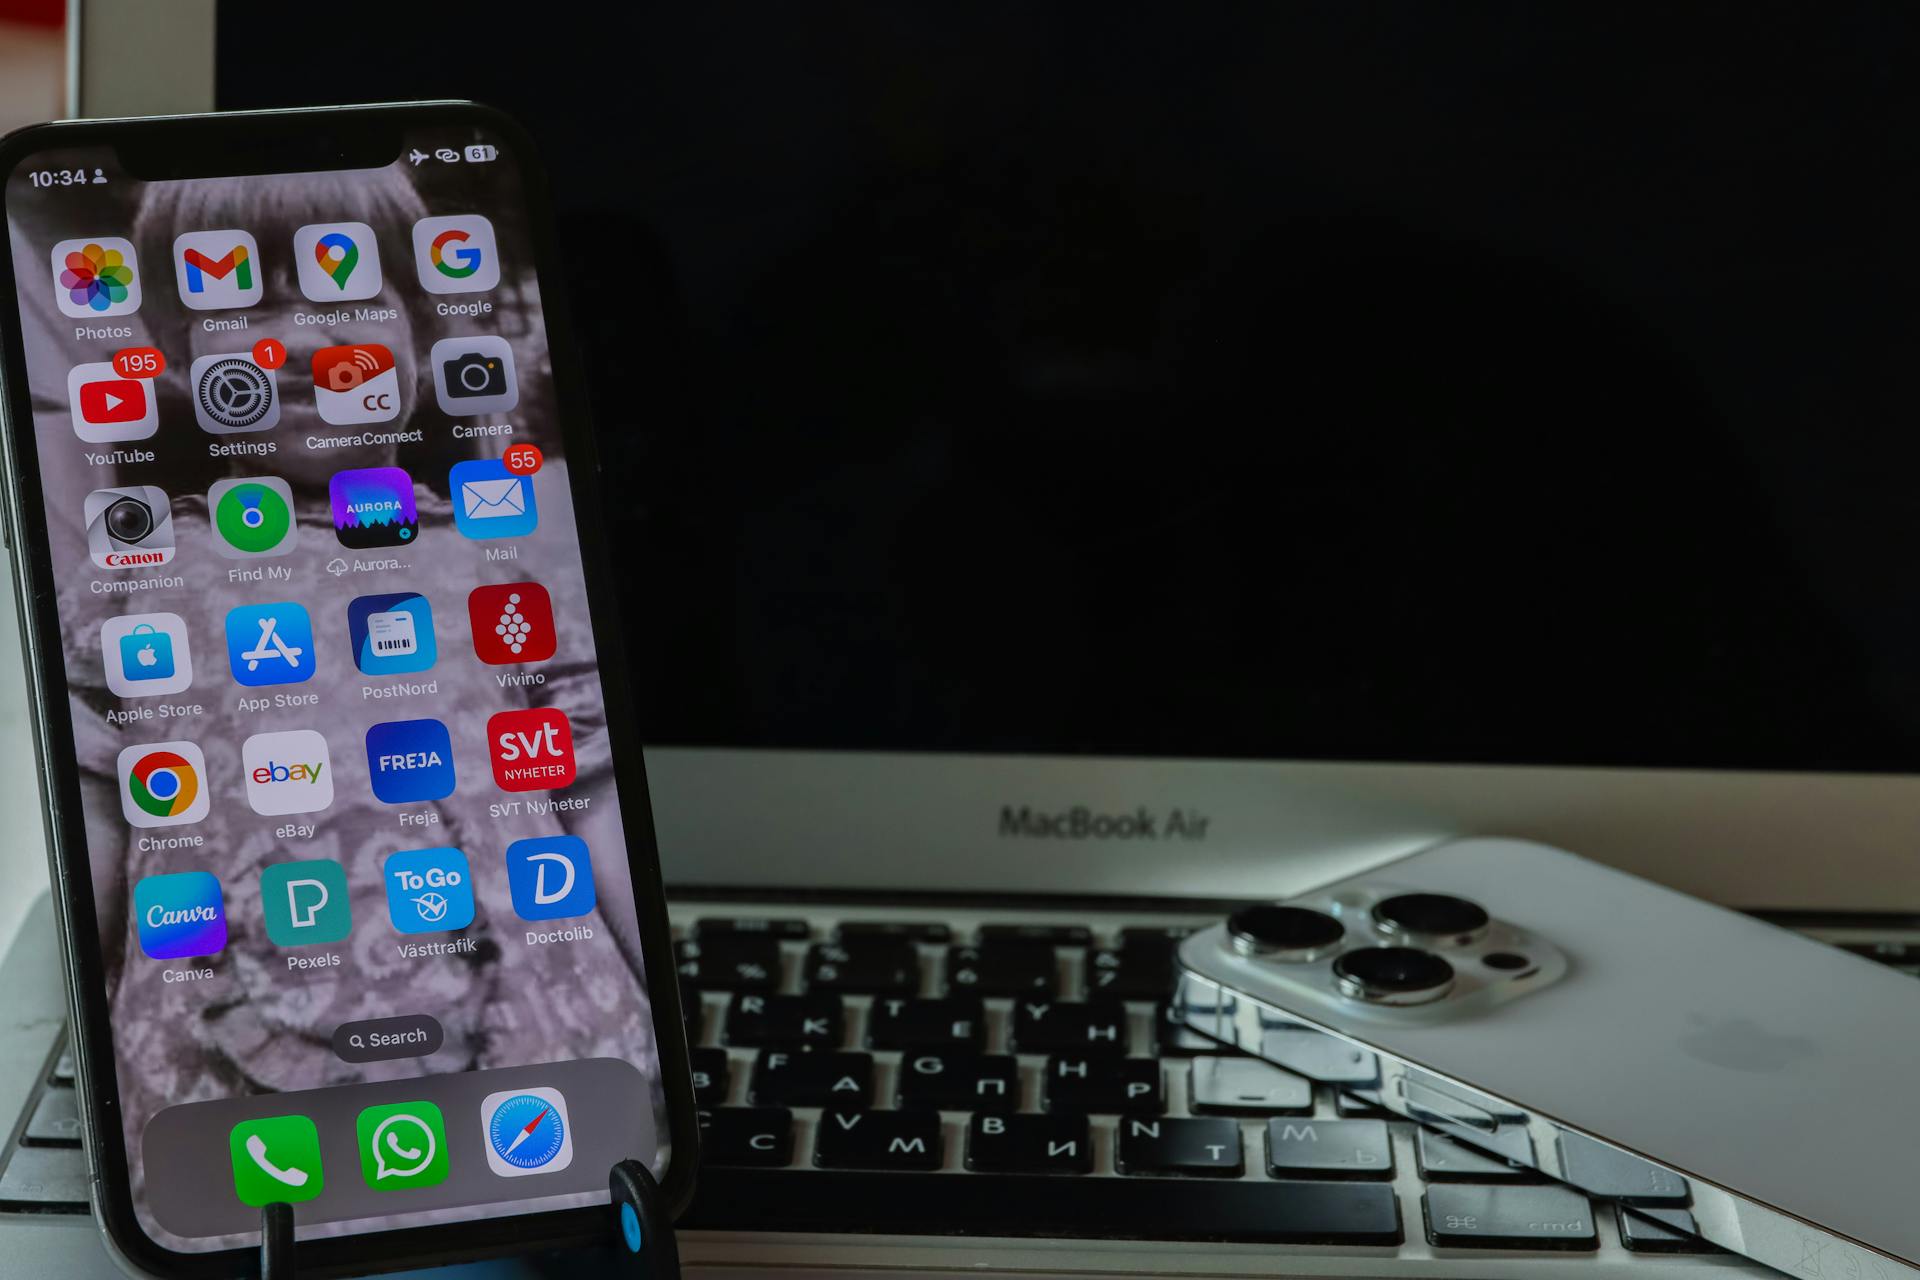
<point>108,407</point>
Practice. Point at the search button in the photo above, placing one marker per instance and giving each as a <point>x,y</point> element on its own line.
<point>383,1039</point>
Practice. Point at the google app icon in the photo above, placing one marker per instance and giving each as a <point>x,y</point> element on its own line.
<point>456,254</point>
<point>163,784</point>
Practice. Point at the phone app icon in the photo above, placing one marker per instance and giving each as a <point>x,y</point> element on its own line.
<point>410,761</point>
<point>429,890</point>
<point>180,915</point>
<point>373,507</point>
<point>306,903</point>
<point>146,654</point>
<point>217,269</point>
<point>403,1144</point>
<point>252,517</point>
<point>392,635</point>
<point>232,394</point>
<point>270,643</point>
<point>532,749</point>
<point>96,276</point>
<point>107,407</point>
<point>527,1132</point>
<point>551,877</point>
<point>456,254</point>
<point>163,784</point>
<point>288,771</point>
<point>130,527</point>
<point>337,261</point>
<point>276,1160</point>
<point>490,501</point>
<point>512,622</point>
<point>356,384</point>
<point>474,375</point>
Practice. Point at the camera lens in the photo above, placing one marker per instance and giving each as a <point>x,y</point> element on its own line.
<point>1431,918</point>
<point>128,519</point>
<point>1283,933</point>
<point>1392,975</point>
<point>473,376</point>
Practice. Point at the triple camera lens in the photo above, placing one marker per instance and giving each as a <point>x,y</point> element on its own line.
<point>1434,919</point>
<point>1277,932</point>
<point>1392,975</point>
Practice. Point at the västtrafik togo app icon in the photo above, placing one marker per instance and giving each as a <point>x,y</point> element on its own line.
<point>252,517</point>
<point>162,784</point>
<point>373,507</point>
<point>180,915</point>
<point>429,890</point>
<point>217,269</point>
<point>95,277</point>
<point>337,261</point>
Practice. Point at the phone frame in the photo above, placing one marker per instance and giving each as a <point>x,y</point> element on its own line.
<point>317,138</point>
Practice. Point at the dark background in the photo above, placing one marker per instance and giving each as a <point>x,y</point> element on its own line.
<point>1394,381</point>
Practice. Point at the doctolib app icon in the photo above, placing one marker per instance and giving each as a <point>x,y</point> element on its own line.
<point>233,394</point>
<point>146,654</point>
<point>252,517</point>
<point>356,384</point>
<point>337,261</point>
<point>289,771</point>
<point>95,277</point>
<point>217,269</point>
<point>108,408</point>
<point>550,877</point>
<point>180,915</point>
<point>306,903</point>
<point>456,254</point>
<point>527,1132</point>
<point>162,784</point>
<point>429,890</point>
<point>130,527</point>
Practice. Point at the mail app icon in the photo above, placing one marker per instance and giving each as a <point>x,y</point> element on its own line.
<point>491,502</point>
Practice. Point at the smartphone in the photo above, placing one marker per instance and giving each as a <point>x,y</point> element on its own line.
<point>349,825</point>
<point>1725,1077</point>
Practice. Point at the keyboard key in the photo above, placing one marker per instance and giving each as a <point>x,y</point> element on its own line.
<point>783,1079</point>
<point>711,1074</point>
<point>1202,1148</point>
<point>812,1021</point>
<point>873,967</point>
<point>1352,1107</point>
<point>1602,1170</point>
<point>1102,1083</point>
<point>45,1180</point>
<point>1662,1231</point>
<point>1246,1086</point>
<point>711,928</point>
<point>917,931</point>
<point>1896,953</point>
<point>1444,1160</point>
<point>63,1067</point>
<point>1156,937</point>
<point>856,1138</point>
<point>743,963</point>
<point>958,1082</point>
<point>1130,975</point>
<point>1173,1038</point>
<point>1004,969</point>
<point>1064,1026</point>
<point>746,1136</point>
<point>1029,1144</point>
<point>56,1120</point>
<point>953,1022</point>
<point>1541,1217</point>
<point>1046,1207</point>
<point>1328,1149</point>
<point>1059,935</point>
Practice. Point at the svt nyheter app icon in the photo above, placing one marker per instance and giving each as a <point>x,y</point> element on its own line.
<point>429,890</point>
<point>146,654</point>
<point>162,784</point>
<point>95,277</point>
<point>287,771</point>
<point>337,261</point>
<point>306,903</point>
<point>217,269</point>
<point>456,254</point>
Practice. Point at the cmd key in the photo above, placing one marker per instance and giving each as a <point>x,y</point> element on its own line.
<point>869,966</point>
<point>1101,1083</point>
<point>1007,1143</point>
<point>1206,1147</point>
<point>711,1074</point>
<point>730,962</point>
<point>958,1081</point>
<point>749,1136</point>
<point>952,1022</point>
<point>812,1021</point>
<point>1004,969</point>
<point>798,1079</point>
<point>1537,1217</point>
<point>857,1138</point>
<point>1066,1026</point>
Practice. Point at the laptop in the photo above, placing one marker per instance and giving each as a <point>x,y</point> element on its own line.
<point>1086,469</point>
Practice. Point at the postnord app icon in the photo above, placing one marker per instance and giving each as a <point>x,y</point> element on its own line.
<point>532,750</point>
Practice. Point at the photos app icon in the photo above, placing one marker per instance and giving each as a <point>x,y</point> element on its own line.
<point>95,277</point>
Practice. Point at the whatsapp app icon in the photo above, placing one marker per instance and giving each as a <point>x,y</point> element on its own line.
<point>403,1144</point>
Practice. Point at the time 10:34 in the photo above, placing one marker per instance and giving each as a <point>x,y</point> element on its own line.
<point>64,177</point>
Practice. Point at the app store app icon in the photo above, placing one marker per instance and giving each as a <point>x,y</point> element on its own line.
<point>270,643</point>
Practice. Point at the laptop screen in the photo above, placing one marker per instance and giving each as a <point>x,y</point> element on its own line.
<point>1425,384</point>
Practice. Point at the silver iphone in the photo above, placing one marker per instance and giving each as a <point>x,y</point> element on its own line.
<point>1635,1043</point>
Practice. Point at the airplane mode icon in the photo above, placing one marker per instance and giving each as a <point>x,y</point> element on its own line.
<point>417,156</point>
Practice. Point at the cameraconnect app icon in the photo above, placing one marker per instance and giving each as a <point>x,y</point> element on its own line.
<point>356,384</point>
<point>129,527</point>
<point>373,507</point>
<point>252,517</point>
<point>474,375</point>
<point>232,394</point>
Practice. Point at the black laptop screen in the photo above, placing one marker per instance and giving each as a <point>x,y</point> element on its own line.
<point>1424,382</point>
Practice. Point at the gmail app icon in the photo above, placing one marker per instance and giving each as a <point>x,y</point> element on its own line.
<point>490,501</point>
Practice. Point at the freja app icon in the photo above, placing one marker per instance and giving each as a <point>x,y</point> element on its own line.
<point>532,750</point>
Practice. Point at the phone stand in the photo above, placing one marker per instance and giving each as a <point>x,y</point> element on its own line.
<point>642,1231</point>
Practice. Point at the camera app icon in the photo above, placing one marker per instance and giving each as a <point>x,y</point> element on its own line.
<point>474,375</point>
<point>130,527</point>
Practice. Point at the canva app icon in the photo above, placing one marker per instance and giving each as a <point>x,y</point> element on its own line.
<point>146,654</point>
<point>252,517</point>
<point>551,877</point>
<point>163,784</point>
<point>217,269</point>
<point>356,384</point>
<point>392,635</point>
<point>306,903</point>
<point>512,622</point>
<point>108,408</point>
<point>490,501</point>
<point>130,527</point>
<point>96,276</point>
<point>337,261</point>
<point>532,749</point>
<point>373,507</point>
<point>270,643</point>
<point>180,915</point>
<point>456,254</point>
<point>233,394</point>
<point>429,890</point>
<point>287,771</point>
<point>410,761</point>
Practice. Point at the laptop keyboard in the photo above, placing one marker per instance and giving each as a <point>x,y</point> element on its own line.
<point>898,1072</point>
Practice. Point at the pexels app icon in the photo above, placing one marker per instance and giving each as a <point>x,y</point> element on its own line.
<point>512,622</point>
<point>217,269</point>
<point>252,517</point>
<point>373,507</point>
<point>456,254</point>
<point>162,785</point>
<point>95,277</point>
<point>129,527</point>
<point>108,408</point>
<point>180,916</point>
<point>232,394</point>
<point>429,890</point>
<point>356,384</point>
<point>532,750</point>
<point>337,261</point>
<point>306,903</point>
<point>146,654</point>
<point>410,761</point>
<point>551,878</point>
<point>287,772</point>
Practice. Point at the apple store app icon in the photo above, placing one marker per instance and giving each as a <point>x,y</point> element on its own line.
<point>146,654</point>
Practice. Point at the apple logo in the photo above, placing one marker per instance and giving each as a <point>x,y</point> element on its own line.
<point>145,657</point>
<point>1741,1044</point>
